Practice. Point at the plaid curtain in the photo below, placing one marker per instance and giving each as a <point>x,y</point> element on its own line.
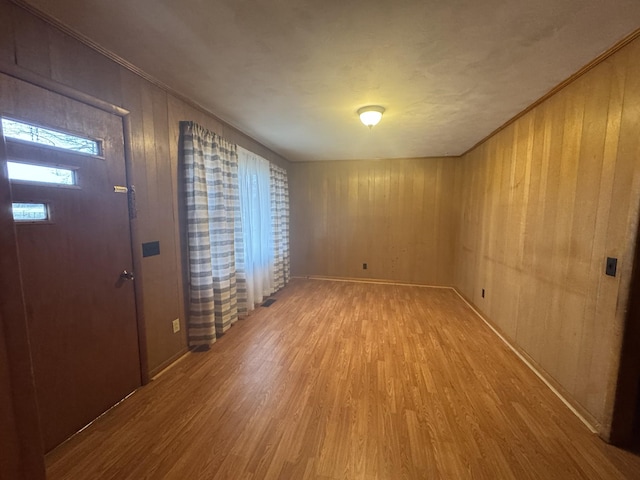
<point>280,219</point>
<point>213,229</point>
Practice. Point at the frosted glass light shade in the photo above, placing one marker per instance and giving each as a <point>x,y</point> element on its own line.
<point>371,115</point>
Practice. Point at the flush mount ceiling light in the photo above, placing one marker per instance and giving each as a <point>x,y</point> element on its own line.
<point>371,115</point>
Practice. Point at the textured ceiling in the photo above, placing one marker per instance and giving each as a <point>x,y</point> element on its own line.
<point>293,73</point>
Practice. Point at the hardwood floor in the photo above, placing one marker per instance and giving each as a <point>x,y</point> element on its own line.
<point>342,380</point>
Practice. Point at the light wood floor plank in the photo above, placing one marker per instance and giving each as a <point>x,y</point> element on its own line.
<point>341,380</point>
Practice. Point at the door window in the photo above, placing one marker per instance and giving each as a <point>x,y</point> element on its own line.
<point>29,172</point>
<point>30,212</point>
<point>26,132</point>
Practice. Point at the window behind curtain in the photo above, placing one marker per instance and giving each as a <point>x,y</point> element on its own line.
<point>257,229</point>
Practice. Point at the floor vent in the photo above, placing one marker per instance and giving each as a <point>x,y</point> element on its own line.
<point>269,302</point>
<point>200,348</point>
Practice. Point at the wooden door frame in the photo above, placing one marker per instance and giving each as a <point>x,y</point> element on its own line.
<point>626,390</point>
<point>14,338</point>
<point>21,449</point>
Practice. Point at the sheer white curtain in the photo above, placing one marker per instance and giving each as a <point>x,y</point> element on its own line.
<point>255,212</point>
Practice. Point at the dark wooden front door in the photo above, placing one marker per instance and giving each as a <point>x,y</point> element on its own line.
<point>80,311</point>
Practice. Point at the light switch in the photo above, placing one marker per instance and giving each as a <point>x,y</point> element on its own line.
<point>612,266</point>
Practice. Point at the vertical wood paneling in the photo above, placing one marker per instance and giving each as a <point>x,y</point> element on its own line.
<point>161,275</point>
<point>607,287</point>
<point>594,151</point>
<point>82,68</point>
<point>545,201</point>
<point>164,274</point>
<point>625,212</point>
<point>7,35</point>
<point>394,215</point>
<point>31,37</point>
<point>369,220</point>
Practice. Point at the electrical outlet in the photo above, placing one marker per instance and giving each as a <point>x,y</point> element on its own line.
<point>176,325</point>
<point>364,266</point>
<point>483,293</point>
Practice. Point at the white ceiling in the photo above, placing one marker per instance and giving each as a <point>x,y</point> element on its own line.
<point>293,73</point>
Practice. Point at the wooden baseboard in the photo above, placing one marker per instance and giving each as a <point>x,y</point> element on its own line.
<point>381,281</point>
<point>579,411</point>
<point>167,364</point>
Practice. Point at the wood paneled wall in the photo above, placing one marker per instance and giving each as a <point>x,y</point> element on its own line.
<point>36,46</point>
<point>541,204</point>
<point>394,215</point>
